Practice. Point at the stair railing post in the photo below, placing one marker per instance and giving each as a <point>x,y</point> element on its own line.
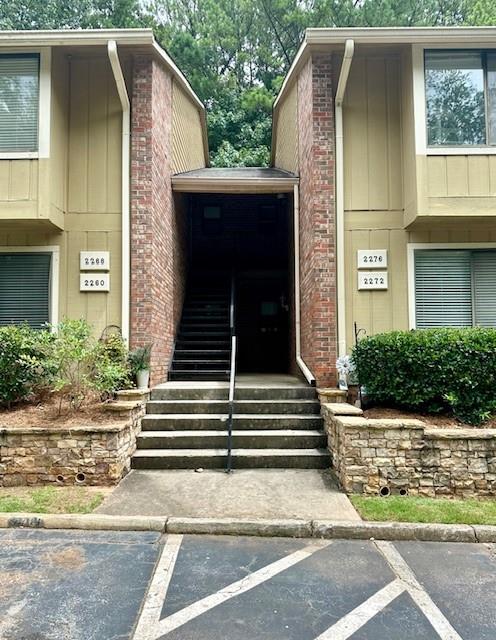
<point>232,374</point>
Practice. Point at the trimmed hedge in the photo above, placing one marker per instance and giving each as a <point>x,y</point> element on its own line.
<point>432,370</point>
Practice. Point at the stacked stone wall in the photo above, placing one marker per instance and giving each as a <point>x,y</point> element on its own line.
<point>92,455</point>
<point>401,456</point>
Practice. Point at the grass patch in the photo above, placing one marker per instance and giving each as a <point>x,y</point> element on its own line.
<point>50,499</point>
<point>413,509</point>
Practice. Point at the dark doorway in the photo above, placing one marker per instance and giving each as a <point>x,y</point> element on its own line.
<point>248,236</point>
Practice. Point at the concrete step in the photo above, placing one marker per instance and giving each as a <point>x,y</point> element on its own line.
<point>241,439</point>
<point>195,354</point>
<point>166,392</point>
<point>264,407</point>
<point>205,320</point>
<point>202,345</point>
<point>205,333</point>
<point>208,365</point>
<point>205,308</point>
<point>212,421</point>
<point>201,325</point>
<point>241,458</point>
<point>198,375</point>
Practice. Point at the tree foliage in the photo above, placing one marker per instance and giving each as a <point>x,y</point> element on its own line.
<point>236,52</point>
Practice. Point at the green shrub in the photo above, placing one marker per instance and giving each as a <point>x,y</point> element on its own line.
<point>110,367</point>
<point>72,358</point>
<point>25,364</point>
<point>434,370</point>
<point>84,365</point>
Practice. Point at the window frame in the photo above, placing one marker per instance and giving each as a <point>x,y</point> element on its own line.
<point>413,247</point>
<point>54,250</point>
<point>44,104</point>
<point>420,106</point>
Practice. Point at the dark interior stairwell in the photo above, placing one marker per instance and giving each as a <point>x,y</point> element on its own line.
<point>202,350</point>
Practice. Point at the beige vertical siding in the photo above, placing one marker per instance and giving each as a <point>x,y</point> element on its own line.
<point>19,181</point>
<point>79,186</point>
<point>59,134</point>
<point>94,182</point>
<point>101,309</point>
<point>459,185</point>
<point>378,311</point>
<point>188,151</point>
<point>372,135</point>
<point>286,152</point>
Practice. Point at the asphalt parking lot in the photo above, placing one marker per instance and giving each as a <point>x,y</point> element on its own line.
<point>76,585</point>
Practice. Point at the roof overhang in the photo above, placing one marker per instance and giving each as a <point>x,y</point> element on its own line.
<point>245,180</point>
<point>76,37</point>
<point>334,39</point>
<point>141,39</point>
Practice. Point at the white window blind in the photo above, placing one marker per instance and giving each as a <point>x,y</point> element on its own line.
<point>19,100</point>
<point>25,288</point>
<point>484,277</point>
<point>443,289</point>
<point>455,288</point>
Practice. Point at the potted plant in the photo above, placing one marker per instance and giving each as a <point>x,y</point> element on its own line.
<point>139,361</point>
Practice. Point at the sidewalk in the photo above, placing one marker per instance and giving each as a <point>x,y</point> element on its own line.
<point>248,493</point>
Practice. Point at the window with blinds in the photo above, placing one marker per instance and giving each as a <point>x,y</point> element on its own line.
<point>455,288</point>
<point>19,101</point>
<point>25,288</point>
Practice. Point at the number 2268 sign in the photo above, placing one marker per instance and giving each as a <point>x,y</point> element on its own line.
<point>372,280</point>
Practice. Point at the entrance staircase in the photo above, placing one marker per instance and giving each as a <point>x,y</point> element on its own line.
<point>202,350</point>
<point>278,426</point>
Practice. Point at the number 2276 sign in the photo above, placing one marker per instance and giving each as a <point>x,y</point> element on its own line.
<point>372,280</point>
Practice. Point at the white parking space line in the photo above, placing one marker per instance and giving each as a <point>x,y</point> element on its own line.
<point>359,616</point>
<point>235,589</point>
<point>146,629</point>
<point>417,592</point>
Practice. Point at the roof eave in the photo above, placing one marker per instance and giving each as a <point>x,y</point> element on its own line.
<point>80,37</point>
<point>196,184</point>
<point>321,37</point>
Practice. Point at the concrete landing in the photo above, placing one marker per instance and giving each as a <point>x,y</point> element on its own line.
<point>246,493</point>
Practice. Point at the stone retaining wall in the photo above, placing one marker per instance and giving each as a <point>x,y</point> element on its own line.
<point>90,455</point>
<point>404,455</point>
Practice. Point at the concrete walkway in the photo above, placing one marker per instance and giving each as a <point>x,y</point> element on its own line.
<point>247,493</point>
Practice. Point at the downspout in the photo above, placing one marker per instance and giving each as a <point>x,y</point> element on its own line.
<point>339,190</point>
<point>126,128</point>
<point>296,224</point>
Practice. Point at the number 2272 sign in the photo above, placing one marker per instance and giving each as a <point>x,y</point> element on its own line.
<point>372,280</point>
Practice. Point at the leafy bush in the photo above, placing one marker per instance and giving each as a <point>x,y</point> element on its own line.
<point>72,358</point>
<point>84,365</point>
<point>110,368</point>
<point>432,370</point>
<point>25,366</point>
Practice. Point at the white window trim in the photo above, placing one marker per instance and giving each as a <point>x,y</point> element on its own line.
<point>54,275</point>
<point>420,114</point>
<point>44,107</point>
<point>414,246</point>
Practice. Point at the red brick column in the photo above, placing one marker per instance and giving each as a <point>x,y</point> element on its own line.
<point>317,219</point>
<point>156,243</point>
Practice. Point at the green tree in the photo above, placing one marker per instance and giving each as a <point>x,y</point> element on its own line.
<point>235,53</point>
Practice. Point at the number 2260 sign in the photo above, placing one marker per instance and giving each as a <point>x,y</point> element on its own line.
<point>94,282</point>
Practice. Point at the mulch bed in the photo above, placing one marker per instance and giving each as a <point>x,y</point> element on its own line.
<point>45,413</point>
<point>442,421</point>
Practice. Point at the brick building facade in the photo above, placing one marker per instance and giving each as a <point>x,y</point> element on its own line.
<point>157,228</point>
<point>317,218</point>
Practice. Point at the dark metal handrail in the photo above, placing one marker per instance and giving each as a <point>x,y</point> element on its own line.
<point>232,375</point>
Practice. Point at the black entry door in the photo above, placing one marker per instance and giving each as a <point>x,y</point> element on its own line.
<point>262,322</point>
